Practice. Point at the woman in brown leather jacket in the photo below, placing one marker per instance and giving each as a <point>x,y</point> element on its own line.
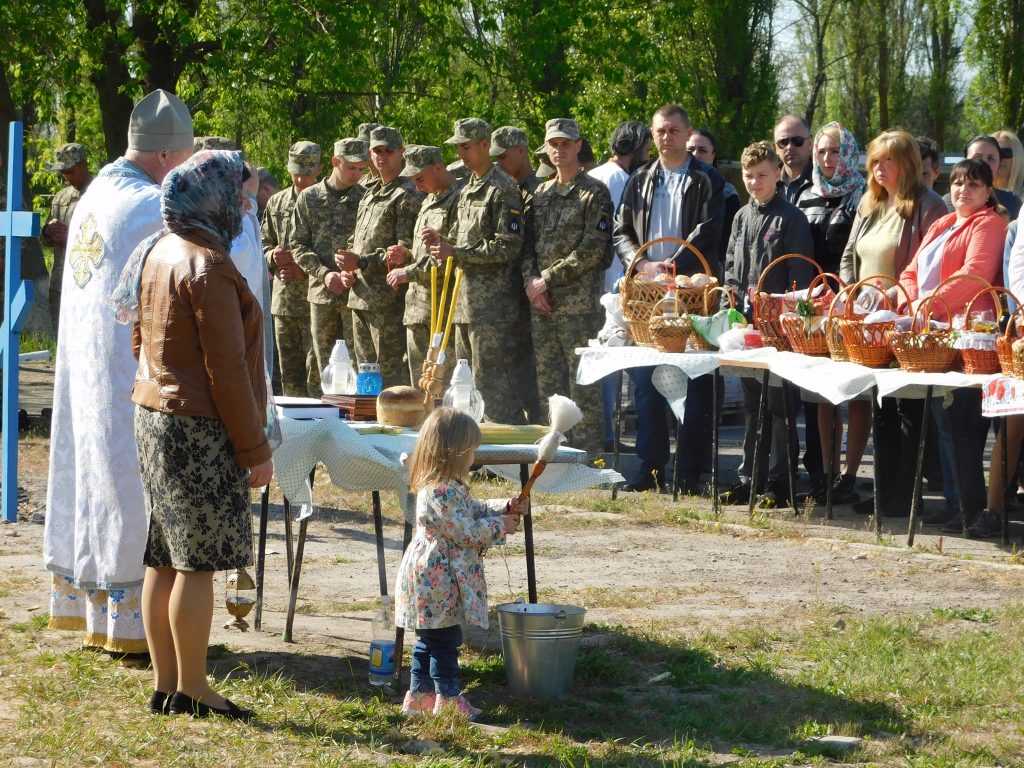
<point>200,395</point>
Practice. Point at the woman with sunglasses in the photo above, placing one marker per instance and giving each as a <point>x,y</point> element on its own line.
<point>893,216</point>
<point>1010,176</point>
<point>703,145</point>
<point>830,206</point>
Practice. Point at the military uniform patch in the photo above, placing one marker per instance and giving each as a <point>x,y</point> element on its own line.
<point>602,224</point>
<point>515,220</point>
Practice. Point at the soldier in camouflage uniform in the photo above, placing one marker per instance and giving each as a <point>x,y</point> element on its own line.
<point>289,304</point>
<point>386,217</point>
<point>70,162</point>
<point>425,168</point>
<point>488,245</point>
<point>325,221</point>
<point>371,177</point>
<point>566,250</point>
<point>510,149</point>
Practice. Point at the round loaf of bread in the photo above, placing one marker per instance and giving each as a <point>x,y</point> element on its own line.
<point>401,406</point>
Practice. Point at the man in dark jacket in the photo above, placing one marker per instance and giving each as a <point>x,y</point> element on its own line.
<point>673,196</point>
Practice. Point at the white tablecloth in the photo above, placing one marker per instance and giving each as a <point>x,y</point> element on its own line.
<point>373,462</point>
<point>1002,396</point>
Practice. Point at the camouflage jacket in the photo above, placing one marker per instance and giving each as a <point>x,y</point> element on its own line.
<point>528,186</point>
<point>61,208</point>
<point>568,242</point>
<point>386,217</point>
<point>489,246</point>
<point>437,212</point>
<point>287,299</point>
<point>324,221</point>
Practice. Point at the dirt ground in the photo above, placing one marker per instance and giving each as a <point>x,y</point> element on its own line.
<point>623,564</point>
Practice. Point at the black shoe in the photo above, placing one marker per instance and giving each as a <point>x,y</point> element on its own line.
<point>940,518</point>
<point>181,704</point>
<point>694,488</point>
<point>988,524</point>
<point>844,490</point>
<point>645,481</point>
<point>160,703</point>
<point>774,497</point>
<point>863,507</point>
<point>955,524</point>
<point>816,493</point>
<point>737,493</point>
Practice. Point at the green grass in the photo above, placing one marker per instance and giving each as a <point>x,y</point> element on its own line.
<point>939,689</point>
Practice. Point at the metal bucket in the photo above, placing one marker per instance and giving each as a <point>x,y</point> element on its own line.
<point>539,643</point>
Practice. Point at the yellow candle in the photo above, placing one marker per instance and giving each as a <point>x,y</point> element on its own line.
<point>444,293</point>
<point>433,297</point>
<point>451,311</point>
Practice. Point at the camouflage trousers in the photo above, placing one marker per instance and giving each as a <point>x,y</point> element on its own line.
<point>525,367</point>
<point>328,323</point>
<point>555,339</point>
<point>378,338</point>
<point>488,347</point>
<point>300,372</point>
<point>417,344</point>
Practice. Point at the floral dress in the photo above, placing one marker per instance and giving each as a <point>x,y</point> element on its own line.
<point>441,579</point>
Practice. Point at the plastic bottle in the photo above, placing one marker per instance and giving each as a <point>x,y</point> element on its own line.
<point>339,377</point>
<point>382,647</point>
<point>462,395</point>
<point>369,381</point>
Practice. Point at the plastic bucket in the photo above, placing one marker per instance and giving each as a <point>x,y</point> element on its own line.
<point>539,643</point>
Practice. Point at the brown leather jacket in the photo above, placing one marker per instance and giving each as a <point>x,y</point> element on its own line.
<point>199,342</point>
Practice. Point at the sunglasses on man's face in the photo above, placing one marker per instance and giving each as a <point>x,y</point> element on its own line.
<point>797,141</point>
<point>1006,153</point>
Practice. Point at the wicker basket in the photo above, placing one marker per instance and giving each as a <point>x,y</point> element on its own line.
<point>985,361</point>
<point>670,334</point>
<point>639,299</point>
<point>815,342</point>
<point>925,350</point>
<point>833,333</point>
<point>697,341</point>
<point>867,344</point>
<point>768,310</point>
<point>1004,345</point>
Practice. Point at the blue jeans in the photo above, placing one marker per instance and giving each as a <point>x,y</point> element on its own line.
<point>435,661</point>
<point>651,423</point>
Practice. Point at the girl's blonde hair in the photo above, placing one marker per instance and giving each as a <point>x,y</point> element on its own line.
<point>1016,181</point>
<point>902,147</point>
<point>445,449</point>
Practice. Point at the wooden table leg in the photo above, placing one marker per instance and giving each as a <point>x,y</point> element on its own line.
<point>531,570</point>
<point>678,463</point>
<point>876,417</point>
<point>378,533</point>
<point>1006,479</point>
<point>289,544</point>
<point>835,436</point>
<point>261,555</point>
<point>396,681</point>
<point>791,438</point>
<point>915,499</point>
<point>618,430</point>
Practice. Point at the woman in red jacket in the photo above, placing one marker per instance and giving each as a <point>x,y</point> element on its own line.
<point>968,241</point>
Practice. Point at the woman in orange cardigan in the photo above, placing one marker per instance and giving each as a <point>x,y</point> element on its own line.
<point>968,241</point>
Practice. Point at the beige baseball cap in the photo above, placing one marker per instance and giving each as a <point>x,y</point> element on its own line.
<point>160,122</point>
<point>353,150</point>
<point>386,136</point>
<point>470,129</point>
<point>418,157</point>
<point>562,128</point>
<point>304,158</point>
<point>67,157</point>
<point>505,138</point>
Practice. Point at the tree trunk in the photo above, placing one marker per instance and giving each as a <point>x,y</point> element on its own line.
<point>111,76</point>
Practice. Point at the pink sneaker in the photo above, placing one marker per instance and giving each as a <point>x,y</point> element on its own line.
<point>418,704</point>
<point>461,703</point>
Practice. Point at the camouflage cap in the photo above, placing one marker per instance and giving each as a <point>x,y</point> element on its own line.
<point>304,158</point>
<point>458,169</point>
<point>562,128</point>
<point>419,157</point>
<point>160,122</point>
<point>506,137</point>
<point>545,168</point>
<point>67,157</point>
<point>470,129</point>
<point>214,142</point>
<point>363,134</point>
<point>353,150</point>
<point>385,136</point>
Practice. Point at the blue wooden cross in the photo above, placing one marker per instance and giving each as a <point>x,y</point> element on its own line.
<point>18,295</point>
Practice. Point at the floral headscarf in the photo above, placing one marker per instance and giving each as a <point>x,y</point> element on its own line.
<point>203,193</point>
<point>847,179</point>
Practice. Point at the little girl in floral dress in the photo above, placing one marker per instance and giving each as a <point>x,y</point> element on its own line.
<point>441,580</point>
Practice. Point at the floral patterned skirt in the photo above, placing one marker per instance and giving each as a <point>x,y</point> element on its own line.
<point>197,496</point>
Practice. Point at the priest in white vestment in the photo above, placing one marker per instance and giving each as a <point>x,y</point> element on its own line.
<point>96,524</point>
